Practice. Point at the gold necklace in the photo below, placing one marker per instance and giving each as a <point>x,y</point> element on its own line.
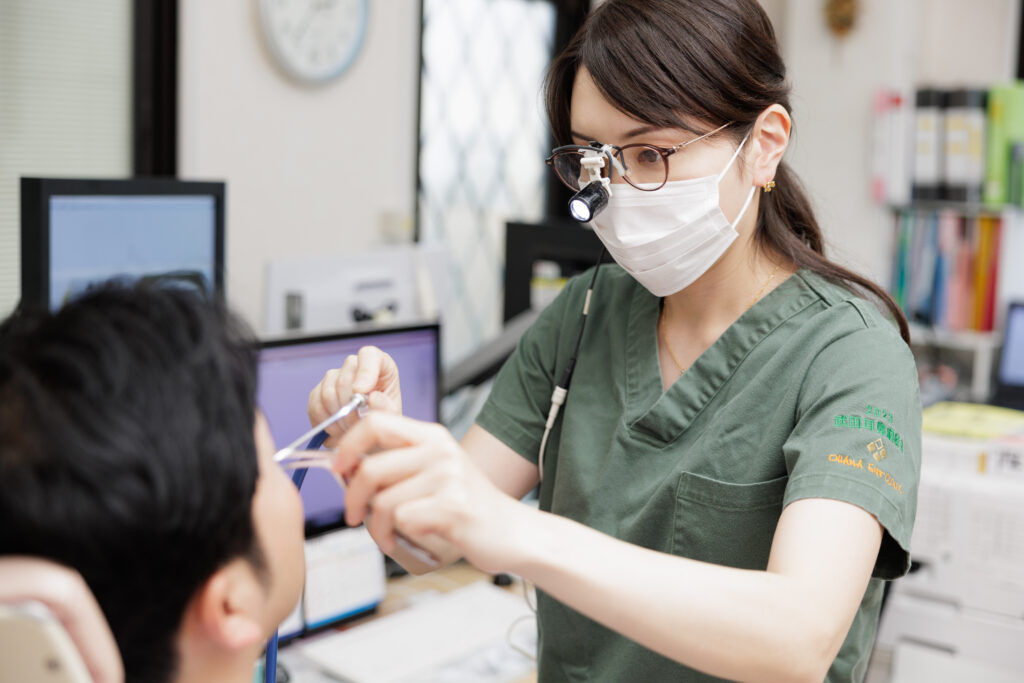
<point>763,287</point>
<point>661,319</point>
<point>664,340</point>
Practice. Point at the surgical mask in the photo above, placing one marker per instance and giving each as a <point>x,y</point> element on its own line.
<point>668,238</point>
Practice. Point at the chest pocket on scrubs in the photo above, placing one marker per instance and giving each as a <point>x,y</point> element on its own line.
<point>725,523</point>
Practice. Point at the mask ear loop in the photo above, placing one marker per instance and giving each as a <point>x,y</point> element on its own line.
<point>733,158</point>
<point>721,175</point>
<point>750,197</point>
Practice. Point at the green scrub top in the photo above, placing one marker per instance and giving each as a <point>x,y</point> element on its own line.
<point>809,394</point>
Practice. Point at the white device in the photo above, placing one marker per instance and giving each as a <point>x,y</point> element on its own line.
<point>398,285</point>
<point>345,576</point>
<point>592,162</point>
<point>35,647</point>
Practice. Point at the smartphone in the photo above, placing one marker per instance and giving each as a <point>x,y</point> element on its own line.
<point>35,647</point>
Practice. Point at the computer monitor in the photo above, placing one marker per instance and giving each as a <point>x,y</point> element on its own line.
<point>75,233</point>
<point>1010,375</point>
<point>290,368</point>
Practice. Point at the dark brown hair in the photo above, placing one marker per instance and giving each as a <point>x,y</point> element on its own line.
<point>127,453</point>
<point>674,63</point>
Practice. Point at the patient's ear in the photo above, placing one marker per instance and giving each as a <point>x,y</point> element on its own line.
<point>226,611</point>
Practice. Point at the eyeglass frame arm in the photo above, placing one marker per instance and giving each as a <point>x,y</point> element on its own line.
<point>613,152</point>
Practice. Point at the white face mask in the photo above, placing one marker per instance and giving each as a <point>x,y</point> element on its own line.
<point>668,238</point>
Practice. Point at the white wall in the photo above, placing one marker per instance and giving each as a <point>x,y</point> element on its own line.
<point>896,43</point>
<point>310,170</point>
<point>314,170</point>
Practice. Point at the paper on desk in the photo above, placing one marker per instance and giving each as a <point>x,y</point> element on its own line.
<point>419,642</point>
<point>972,420</point>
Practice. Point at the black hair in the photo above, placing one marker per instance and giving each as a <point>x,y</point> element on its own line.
<point>127,453</point>
<point>695,65</point>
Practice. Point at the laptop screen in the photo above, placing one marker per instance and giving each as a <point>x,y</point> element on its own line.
<point>289,369</point>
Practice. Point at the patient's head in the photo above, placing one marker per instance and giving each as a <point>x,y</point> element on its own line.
<point>131,450</point>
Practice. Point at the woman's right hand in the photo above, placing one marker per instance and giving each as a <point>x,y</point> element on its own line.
<point>372,373</point>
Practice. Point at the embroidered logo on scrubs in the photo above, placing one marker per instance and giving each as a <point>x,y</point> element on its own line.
<point>875,425</point>
<point>858,464</point>
<point>877,450</point>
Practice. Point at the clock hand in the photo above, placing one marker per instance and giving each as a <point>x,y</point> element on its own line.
<point>304,23</point>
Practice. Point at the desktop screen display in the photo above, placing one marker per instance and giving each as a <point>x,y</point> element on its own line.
<point>95,238</point>
<point>1011,365</point>
<point>288,371</point>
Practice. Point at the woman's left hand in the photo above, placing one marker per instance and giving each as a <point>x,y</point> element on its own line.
<point>421,483</point>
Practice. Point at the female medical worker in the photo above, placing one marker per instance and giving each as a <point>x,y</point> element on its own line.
<point>734,471</point>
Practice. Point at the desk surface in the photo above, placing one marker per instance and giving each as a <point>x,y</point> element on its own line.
<point>400,591</point>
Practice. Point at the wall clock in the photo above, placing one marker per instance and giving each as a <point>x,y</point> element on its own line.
<point>314,41</point>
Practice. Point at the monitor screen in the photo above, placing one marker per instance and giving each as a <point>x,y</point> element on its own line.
<point>76,232</point>
<point>288,371</point>
<point>1011,364</point>
<point>94,238</point>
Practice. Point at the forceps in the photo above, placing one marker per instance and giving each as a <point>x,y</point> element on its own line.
<point>290,455</point>
<point>292,458</point>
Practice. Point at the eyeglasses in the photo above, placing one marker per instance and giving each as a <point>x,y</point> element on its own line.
<point>643,166</point>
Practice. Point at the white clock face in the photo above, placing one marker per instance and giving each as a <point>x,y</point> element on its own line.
<point>314,40</point>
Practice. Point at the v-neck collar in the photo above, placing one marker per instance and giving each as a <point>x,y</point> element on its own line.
<point>665,415</point>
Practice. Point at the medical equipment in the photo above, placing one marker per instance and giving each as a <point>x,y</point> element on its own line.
<point>289,366</point>
<point>584,205</point>
<point>288,456</point>
<point>575,163</point>
<point>299,461</point>
<point>593,198</point>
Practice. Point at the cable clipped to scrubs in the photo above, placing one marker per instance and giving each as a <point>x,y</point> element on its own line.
<point>562,388</point>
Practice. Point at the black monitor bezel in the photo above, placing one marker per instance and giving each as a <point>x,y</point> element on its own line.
<point>36,194</point>
<point>565,241</point>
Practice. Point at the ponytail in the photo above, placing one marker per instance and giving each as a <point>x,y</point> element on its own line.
<point>786,225</point>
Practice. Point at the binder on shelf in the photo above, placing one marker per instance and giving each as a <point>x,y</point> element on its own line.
<point>946,269</point>
<point>964,145</point>
<point>988,321</point>
<point>928,171</point>
<point>923,260</point>
<point>980,269</point>
<point>892,165</point>
<point>1004,153</point>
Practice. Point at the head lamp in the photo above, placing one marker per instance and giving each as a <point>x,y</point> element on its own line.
<point>592,197</point>
<point>589,201</point>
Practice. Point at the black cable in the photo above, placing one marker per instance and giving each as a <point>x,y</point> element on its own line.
<point>562,388</point>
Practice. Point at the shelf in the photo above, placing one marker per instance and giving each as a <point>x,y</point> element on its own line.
<point>983,346</point>
<point>961,208</point>
<point>967,340</point>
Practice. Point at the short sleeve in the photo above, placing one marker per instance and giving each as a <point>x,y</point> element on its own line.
<point>517,408</point>
<point>858,436</point>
